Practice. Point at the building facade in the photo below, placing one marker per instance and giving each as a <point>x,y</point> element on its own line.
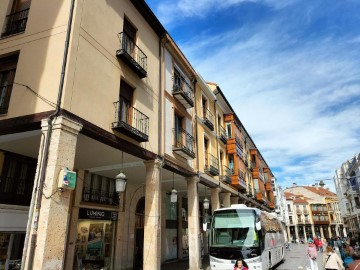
<point>97,91</point>
<point>346,181</point>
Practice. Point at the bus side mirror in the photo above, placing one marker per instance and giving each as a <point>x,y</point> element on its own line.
<point>258,226</point>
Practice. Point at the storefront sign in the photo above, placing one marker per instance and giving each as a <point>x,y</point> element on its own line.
<point>85,213</point>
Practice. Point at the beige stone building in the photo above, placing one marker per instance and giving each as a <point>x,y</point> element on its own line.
<point>97,91</point>
<point>313,211</point>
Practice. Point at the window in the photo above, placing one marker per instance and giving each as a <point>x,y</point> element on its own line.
<point>231,163</point>
<point>228,130</point>
<point>7,75</point>
<point>130,38</point>
<point>99,189</point>
<point>17,179</point>
<point>17,19</point>
<point>178,80</point>
<point>126,100</point>
<point>178,120</point>
<point>206,150</point>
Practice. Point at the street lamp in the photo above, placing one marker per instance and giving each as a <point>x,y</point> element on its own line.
<point>120,180</point>
<point>173,194</point>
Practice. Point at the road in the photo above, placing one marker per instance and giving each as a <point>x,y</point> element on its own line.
<point>294,260</point>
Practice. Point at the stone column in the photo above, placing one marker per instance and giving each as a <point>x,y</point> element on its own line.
<point>297,234</point>
<point>234,200</point>
<point>330,233</point>
<point>305,236</point>
<point>215,200</point>
<point>313,230</point>
<point>226,199</point>
<point>180,228</point>
<point>152,225</point>
<point>49,232</point>
<point>193,224</point>
<point>288,233</point>
<point>321,232</point>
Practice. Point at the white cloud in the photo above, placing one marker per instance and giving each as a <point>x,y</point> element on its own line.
<point>297,101</point>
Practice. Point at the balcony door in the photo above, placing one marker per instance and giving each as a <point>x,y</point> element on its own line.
<point>206,150</point>
<point>125,103</point>
<point>129,38</point>
<point>178,120</point>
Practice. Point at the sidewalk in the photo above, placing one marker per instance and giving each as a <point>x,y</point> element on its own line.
<point>294,258</point>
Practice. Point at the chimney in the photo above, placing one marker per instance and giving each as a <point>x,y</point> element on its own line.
<point>321,184</point>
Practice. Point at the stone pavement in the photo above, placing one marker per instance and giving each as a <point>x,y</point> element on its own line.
<point>294,258</point>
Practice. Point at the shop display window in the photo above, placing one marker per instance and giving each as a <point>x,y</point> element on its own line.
<point>11,246</point>
<point>94,245</point>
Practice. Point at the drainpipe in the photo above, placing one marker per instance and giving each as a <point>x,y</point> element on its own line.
<point>161,100</point>
<point>217,141</point>
<point>45,155</point>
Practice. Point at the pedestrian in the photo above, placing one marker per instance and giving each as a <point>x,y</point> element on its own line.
<point>320,246</point>
<point>312,254</point>
<point>332,261</point>
<point>240,264</point>
<point>316,242</point>
<point>355,265</point>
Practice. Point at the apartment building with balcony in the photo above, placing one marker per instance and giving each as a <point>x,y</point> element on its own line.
<point>100,89</point>
<point>346,180</point>
<point>318,199</point>
<point>301,226</point>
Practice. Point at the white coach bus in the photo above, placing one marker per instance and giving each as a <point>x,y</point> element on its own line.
<point>241,232</point>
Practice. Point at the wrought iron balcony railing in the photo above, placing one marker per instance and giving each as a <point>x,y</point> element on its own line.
<point>131,122</point>
<point>208,119</point>
<point>184,144</point>
<point>100,196</point>
<point>183,91</point>
<point>212,165</point>
<point>226,175</point>
<point>15,23</point>
<point>132,55</point>
<point>222,134</point>
<point>241,175</point>
<point>250,191</point>
<point>238,142</point>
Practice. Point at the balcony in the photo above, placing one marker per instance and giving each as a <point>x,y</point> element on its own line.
<point>272,205</point>
<point>222,134</point>
<point>132,55</point>
<point>268,186</point>
<point>15,23</point>
<point>183,144</point>
<point>226,177</point>
<point>250,191</point>
<point>241,175</point>
<point>183,92</point>
<point>298,211</point>
<point>238,142</point>
<point>261,197</point>
<point>212,165</point>
<point>208,119</point>
<point>100,196</point>
<point>131,122</point>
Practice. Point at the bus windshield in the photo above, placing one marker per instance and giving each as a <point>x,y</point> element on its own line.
<point>234,228</point>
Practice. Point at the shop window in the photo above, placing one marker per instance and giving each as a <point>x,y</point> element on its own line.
<point>13,244</point>
<point>95,240</point>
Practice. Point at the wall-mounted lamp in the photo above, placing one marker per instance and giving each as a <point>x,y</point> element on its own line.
<point>206,202</point>
<point>173,195</point>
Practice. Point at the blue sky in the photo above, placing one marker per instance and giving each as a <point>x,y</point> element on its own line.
<point>291,70</point>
